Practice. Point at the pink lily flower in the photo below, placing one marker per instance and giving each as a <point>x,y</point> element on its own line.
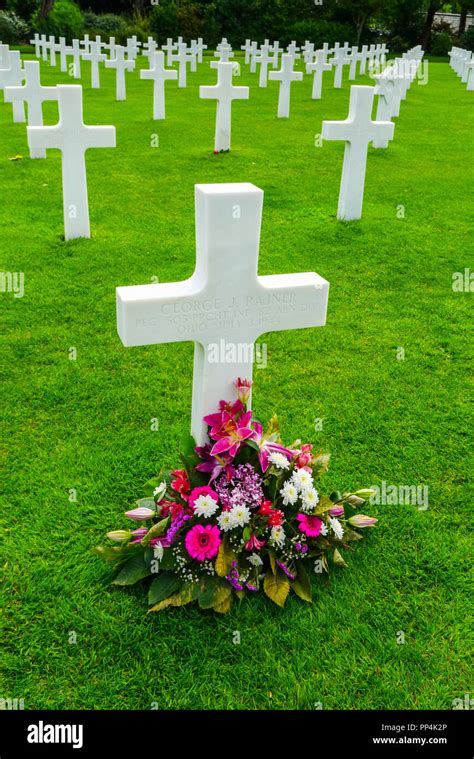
<point>268,446</point>
<point>214,465</point>
<point>231,434</point>
<point>254,544</point>
<point>215,420</point>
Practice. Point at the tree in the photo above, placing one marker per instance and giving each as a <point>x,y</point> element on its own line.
<point>45,9</point>
<point>466,6</point>
<point>433,8</point>
<point>360,11</point>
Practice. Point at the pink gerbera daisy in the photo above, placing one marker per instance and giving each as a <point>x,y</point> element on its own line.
<point>311,526</point>
<point>202,542</point>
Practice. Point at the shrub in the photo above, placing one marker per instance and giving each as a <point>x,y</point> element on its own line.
<point>12,28</point>
<point>399,44</point>
<point>322,31</point>
<point>441,43</point>
<point>64,20</point>
<point>467,41</point>
<point>106,24</point>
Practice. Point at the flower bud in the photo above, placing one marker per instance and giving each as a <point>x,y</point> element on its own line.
<point>119,535</point>
<point>365,493</point>
<point>140,514</point>
<point>361,520</point>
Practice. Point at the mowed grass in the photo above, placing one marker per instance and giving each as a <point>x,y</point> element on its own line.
<point>84,424</point>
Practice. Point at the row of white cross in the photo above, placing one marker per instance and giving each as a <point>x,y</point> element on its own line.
<point>73,137</point>
<point>462,62</point>
<point>225,301</point>
<point>123,58</point>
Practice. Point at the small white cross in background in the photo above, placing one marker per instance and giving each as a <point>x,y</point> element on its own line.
<point>72,137</point>
<point>357,131</point>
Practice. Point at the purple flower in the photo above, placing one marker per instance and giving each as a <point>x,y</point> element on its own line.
<point>268,446</point>
<point>243,489</point>
<point>286,571</point>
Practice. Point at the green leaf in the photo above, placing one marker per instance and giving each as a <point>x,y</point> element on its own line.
<point>163,586</point>
<point>187,445</point>
<point>324,505</point>
<point>338,560</point>
<point>351,535</point>
<point>212,591</point>
<point>150,486</point>
<point>224,559</point>
<point>336,496</point>
<point>134,570</point>
<point>184,596</point>
<point>147,503</point>
<point>168,561</point>
<point>302,585</point>
<point>276,587</point>
<point>271,556</point>
<point>156,531</point>
<point>113,554</point>
<point>224,606</point>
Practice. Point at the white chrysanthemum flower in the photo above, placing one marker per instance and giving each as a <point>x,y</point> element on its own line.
<point>205,506</point>
<point>159,491</point>
<point>310,499</point>
<point>302,479</point>
<point>279,460</point>
<point>158,552</point>
<point>226,521</point>
<point>255,560</point>
<point>324,529</point>
<point>289,493</point>
<point>240,515</point>
<point>336,527</point>
<point>277,536</point>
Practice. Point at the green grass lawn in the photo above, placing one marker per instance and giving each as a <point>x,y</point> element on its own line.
<point>85,423</point>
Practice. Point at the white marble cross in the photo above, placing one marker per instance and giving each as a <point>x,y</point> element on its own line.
<point>275,51</point>
<point>149,48</point>
<point>53,47</point>
<point>319,66</point>
<point>339,61</point>
<point>95,57</point>
<point>182,57</point>
<point>85,42</point>
<point>63,51</point>
<point>33,94</point>
<point>44,47</point>
<point>224,55</point>
<point>169,49</point>
<point>354,58</point>
<point>224,92</point>
<point>132,47</point>
<point>159,74</point>
<point>76,53</point>
<point>364,56</point>
<point>72,137</point>
<point>110,46</point>
<point>4,56</point>
<point>357,131</point>
<point>121,65</point>
<point>470,76</point>
<point>36,41</point>
<point>248,48</point>
<point>13,76</point>
<point>385,89</point>
<point>263,58</point>
<point>292,49</point>
<point>200,47</point>
<point>225,302</point>
<point>286,75</point>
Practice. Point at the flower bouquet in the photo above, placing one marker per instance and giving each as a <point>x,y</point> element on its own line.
<point>242,515</point>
